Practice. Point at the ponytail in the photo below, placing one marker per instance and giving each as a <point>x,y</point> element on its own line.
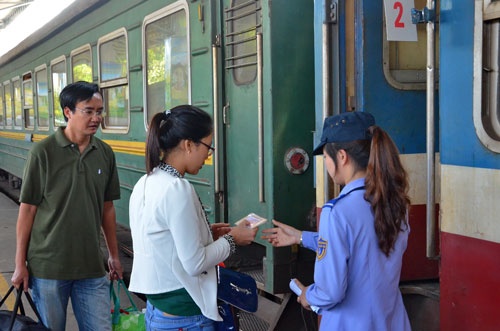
<point>153,149</point>
<point>386,189</point>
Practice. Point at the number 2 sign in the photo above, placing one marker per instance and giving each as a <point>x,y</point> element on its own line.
<point>398,20</point>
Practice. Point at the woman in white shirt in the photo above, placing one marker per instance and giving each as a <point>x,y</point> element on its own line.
<point>176,249</point>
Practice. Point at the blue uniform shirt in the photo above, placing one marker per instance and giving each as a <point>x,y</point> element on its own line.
<point>355,284</point>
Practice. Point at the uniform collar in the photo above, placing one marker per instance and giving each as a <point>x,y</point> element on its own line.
<point>360,182</point>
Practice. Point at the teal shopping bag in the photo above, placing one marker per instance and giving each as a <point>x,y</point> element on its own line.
<point>129,318</point>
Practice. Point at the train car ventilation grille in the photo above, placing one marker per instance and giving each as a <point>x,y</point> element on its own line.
<point>243,22</point>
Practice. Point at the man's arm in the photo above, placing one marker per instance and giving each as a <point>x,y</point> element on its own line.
<point>24,225</point>
<point>109,229</point>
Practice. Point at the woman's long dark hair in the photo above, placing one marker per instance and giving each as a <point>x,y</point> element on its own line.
<point>386,182</point>
<point>168,128</point>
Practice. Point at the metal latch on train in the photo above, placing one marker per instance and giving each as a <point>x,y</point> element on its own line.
<point>330,12</point>
<point>423,16</point>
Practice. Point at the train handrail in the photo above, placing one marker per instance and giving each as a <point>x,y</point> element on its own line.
<point>260,109</point>
<point>431,202</point>
<point>427,16</point>
<point>215,82</point>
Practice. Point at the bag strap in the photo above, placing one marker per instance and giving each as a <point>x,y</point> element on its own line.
<point>121,283</point>
<point>6,295</point>
<point>18,305</point>
<point>115,298</point>
<point>115,316</point>
<point>32,304</point>
<point>21,307</point>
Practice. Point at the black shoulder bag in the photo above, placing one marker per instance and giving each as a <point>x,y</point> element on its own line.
<point>10,320</point>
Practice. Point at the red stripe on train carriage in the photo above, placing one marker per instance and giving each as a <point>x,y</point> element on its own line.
<point>470,283</point>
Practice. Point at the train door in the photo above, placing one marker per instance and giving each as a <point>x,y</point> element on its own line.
<point>267,116</point>
<point>367,72</point>
<point>242,110</point>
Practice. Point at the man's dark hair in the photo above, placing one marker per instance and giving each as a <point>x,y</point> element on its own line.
<point>76,92</point>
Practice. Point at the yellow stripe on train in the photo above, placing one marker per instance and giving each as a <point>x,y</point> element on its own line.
<point>119,146</point>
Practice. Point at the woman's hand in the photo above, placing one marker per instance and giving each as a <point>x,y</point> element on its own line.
<point>302,298</point>
<point>219,229</point>
<point>243,234</point>
<point>282,235</point>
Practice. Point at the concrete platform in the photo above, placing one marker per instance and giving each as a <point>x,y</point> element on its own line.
<point>8,217</point>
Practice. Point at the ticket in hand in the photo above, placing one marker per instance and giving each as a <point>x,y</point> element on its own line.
<point>254,219</point>
<point>296,289</point>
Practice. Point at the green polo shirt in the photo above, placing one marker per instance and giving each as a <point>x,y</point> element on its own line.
<point>69,190</point>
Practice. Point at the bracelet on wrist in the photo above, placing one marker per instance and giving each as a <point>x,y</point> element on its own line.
<point>231,242</point>
<point>300,241</point>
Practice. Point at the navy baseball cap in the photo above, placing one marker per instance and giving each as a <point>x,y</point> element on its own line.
<point>345,127</point>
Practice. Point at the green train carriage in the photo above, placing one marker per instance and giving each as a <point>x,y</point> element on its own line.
<point>247,63</point>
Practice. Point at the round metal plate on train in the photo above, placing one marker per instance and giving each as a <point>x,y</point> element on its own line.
<point>296,160</point>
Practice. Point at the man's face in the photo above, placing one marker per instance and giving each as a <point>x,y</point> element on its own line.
<point>87,115</point>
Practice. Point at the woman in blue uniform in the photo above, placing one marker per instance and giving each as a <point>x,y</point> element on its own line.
<point>363,233</point>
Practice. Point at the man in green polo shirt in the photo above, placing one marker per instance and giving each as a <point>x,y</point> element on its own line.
<point>69,184</point>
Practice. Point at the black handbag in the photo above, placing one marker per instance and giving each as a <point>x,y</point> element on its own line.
<point>10,320</point>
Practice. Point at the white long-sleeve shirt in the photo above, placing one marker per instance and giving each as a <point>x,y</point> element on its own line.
<point>172,241</point>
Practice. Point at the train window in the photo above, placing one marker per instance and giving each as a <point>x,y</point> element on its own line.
<point>405,61</point>
<point>243,22</point>
<point>42,97</point>
<point>113,79</point>
<point>28,110</point>
<point>487,112</point>
<point>8,103</point>
<point>59,81</point>
<point>17,102</point>
<point>81,64</point>
<point>2,107</point>
<point>166,53</point>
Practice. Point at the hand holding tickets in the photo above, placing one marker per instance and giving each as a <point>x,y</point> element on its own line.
<point>244,232</point>
<point>253,219</point>
<point>297,290</point>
